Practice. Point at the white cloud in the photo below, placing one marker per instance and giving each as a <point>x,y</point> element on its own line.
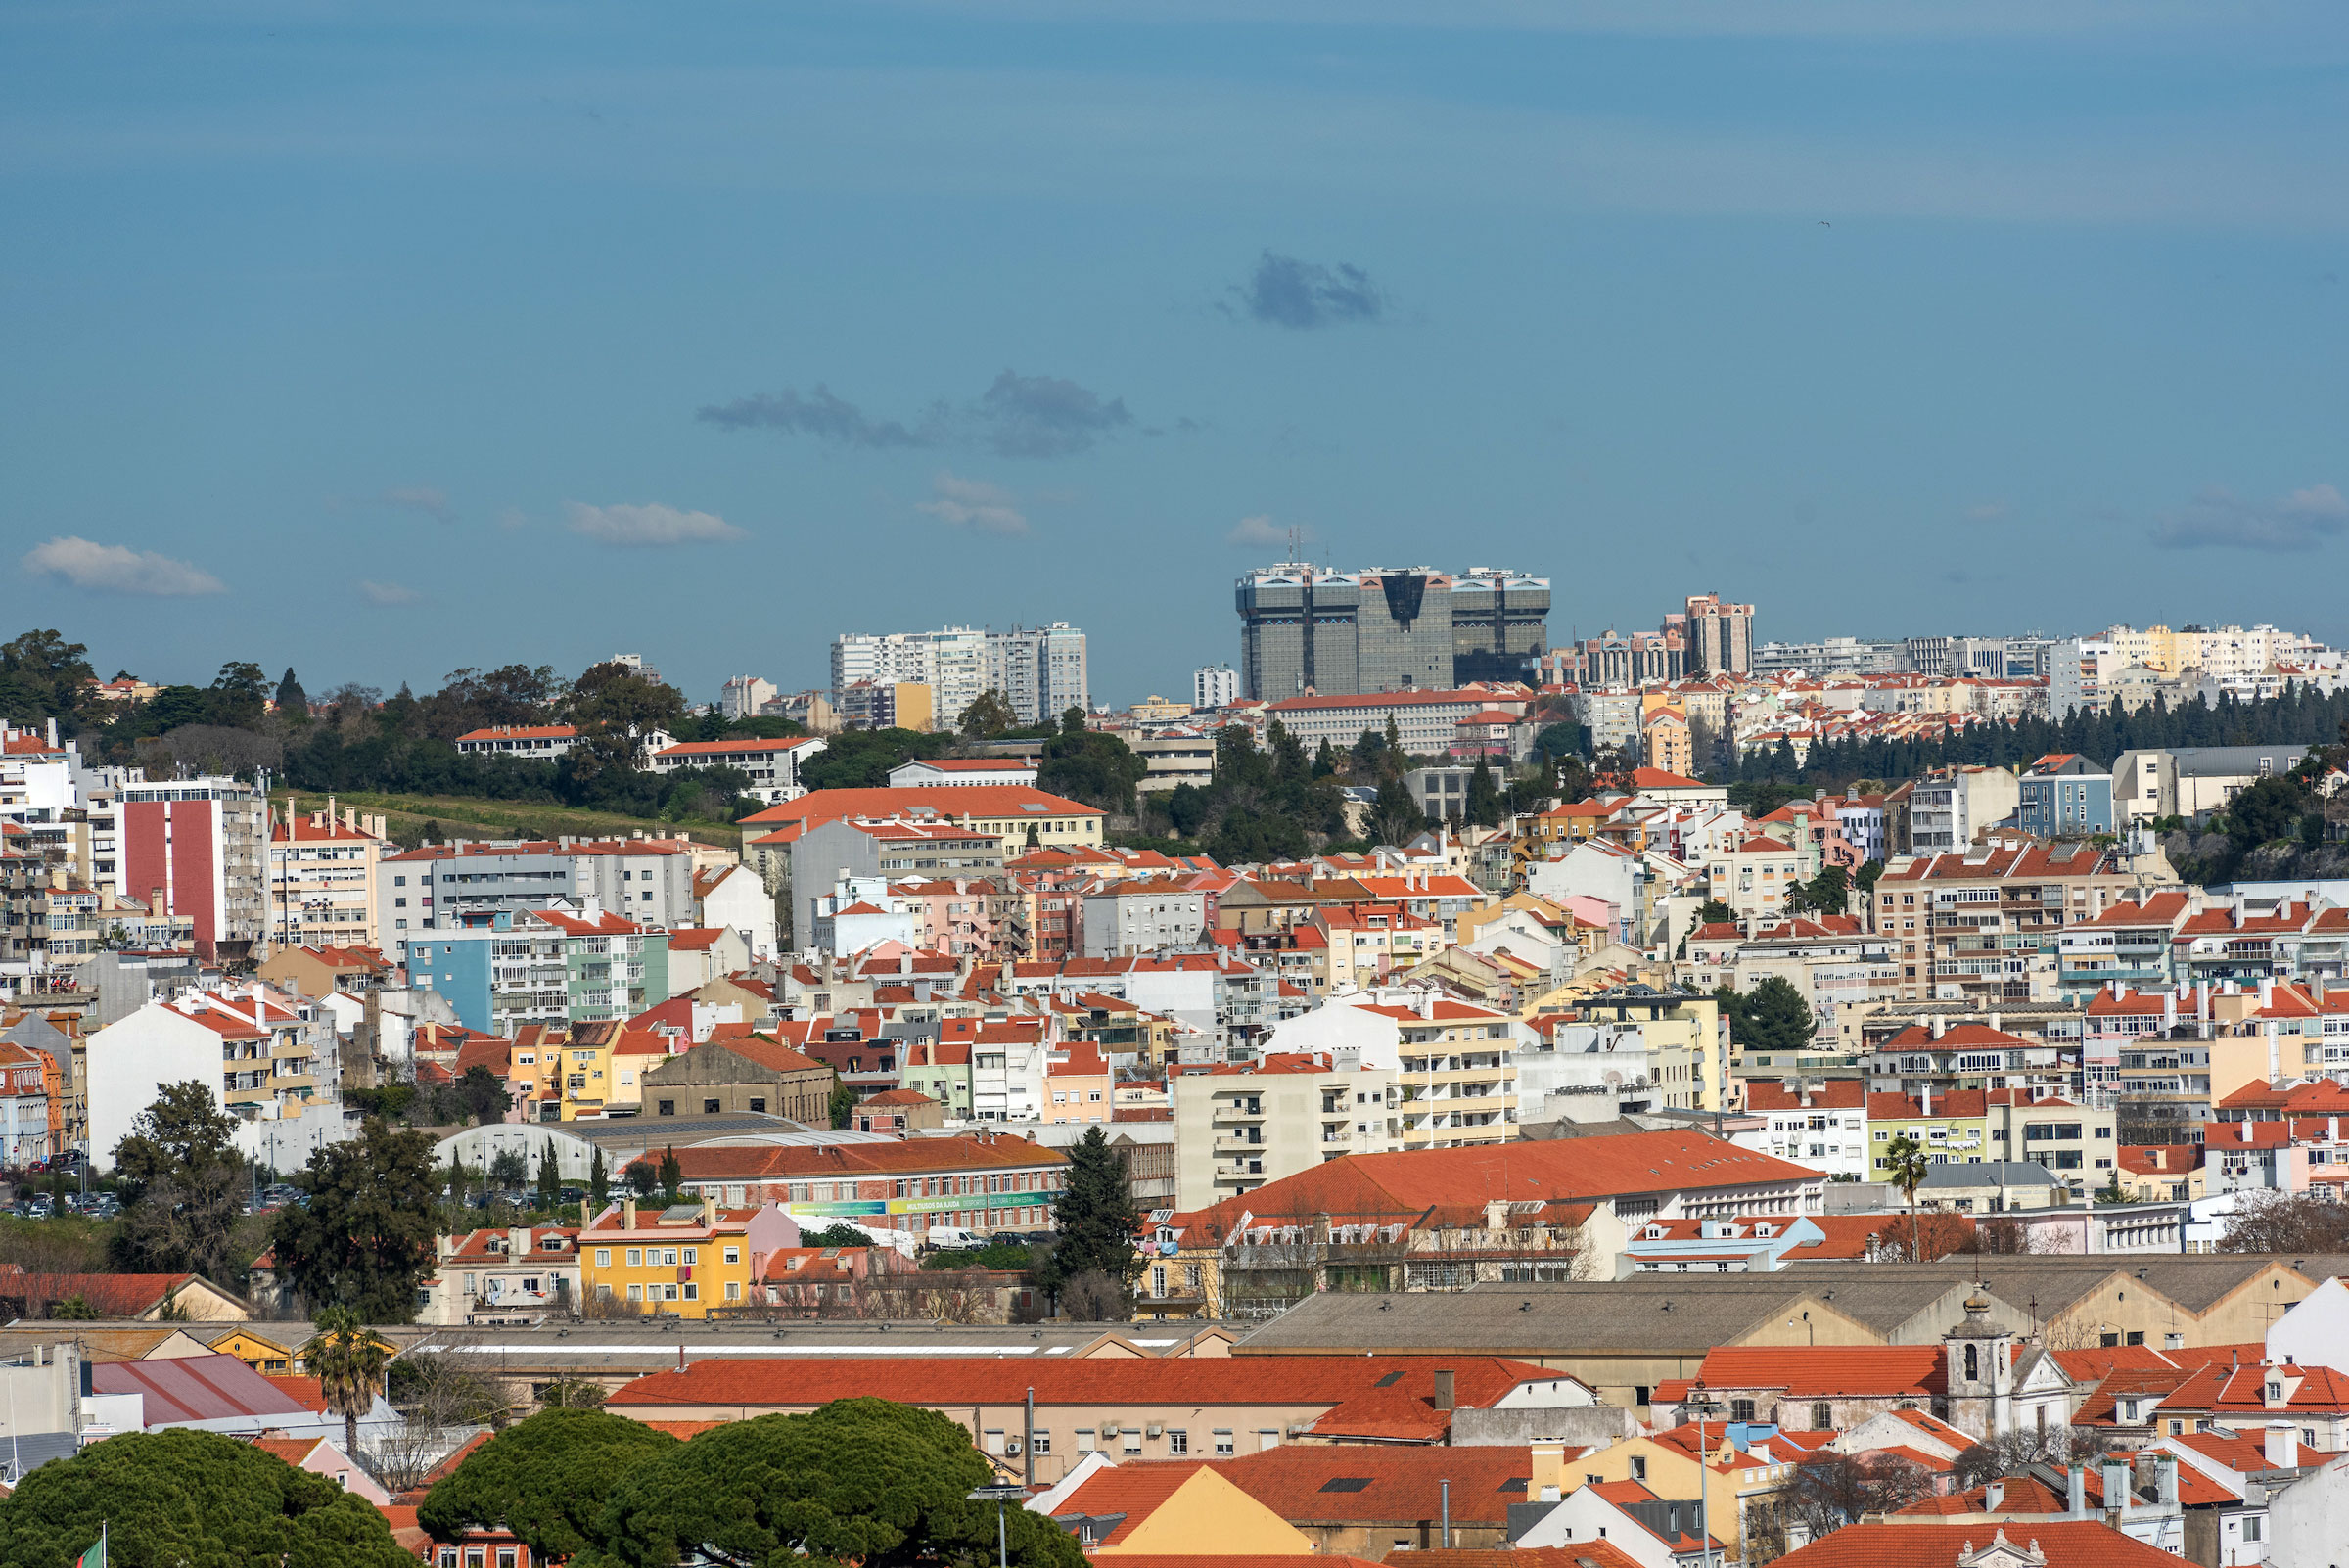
<point>1261,532</point>
<point>116,568</point>
<point>973,503</point>
<point>388,593</point>
<point>2219,519</point>
<point>650,524</point>
<point>431,501</point>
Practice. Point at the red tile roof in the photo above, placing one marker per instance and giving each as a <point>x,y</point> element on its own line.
<point>1478,1381</point>
<point>964,801</point>
<point>2066,1544</point>
<point>1400,1482</point>
<point>1847,1371</point>
<point>1133,1491</point>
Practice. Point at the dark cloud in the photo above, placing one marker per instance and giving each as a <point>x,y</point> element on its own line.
<point>820,414</point>
<point>1285,292</point>
<point>2219,520</point>
<point>1019,416</point>
<point>1044,416</point>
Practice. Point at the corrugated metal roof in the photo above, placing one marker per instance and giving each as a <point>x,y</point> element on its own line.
<point>195,1388</point>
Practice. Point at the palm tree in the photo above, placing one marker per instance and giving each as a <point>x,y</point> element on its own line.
<point>349,1363</point>
<point>1905,1163</point>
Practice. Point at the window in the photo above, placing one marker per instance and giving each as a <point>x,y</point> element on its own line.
<point>669,1107</point>
<point>1223,1447</point>
<point>693,1255</point>
<point>2252,1523</point>
<point>733,1290</point>
<point>733,1254</point>
<point>1178,1442</point>
<point>1039,1441</point>
<point>1823,1415</point>
<point>758,1104</point>
<point>636,1293</point>
<point>635,1258</point>
<point>1638,1468</point>
<point>708,1107</point>
<point>1085,1440</point>
<point>1132,1438</point>
<point>1741,1409</point>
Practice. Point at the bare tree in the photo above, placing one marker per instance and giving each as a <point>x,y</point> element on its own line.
<point>2013,1453</point>
<point>1092,1297</point>
<point>1833,1490</point>
<point>444,1394</point>
<point>2277,1222</point>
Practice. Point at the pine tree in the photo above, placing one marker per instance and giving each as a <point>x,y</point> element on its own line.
<point>1484,799</point>
<point>292,701</point>
<point>672,1175</point>
<point>599,1180</point>
<point>1096,1217</point>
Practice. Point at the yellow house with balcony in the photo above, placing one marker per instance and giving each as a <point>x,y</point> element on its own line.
<point>690,1260</point>
<point>1951,1126</point>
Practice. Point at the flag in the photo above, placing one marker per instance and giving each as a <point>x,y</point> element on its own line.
<point>95,1558</point>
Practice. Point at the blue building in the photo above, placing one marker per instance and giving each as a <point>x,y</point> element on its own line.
<point>456,964</point>
<point>2065,795</point>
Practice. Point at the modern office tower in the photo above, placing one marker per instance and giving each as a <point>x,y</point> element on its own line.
<point>1720,637</point>
<point>1499,624</point>
<point>1343,634</point>
<point>1215,686</point>
<point>1612,659</point>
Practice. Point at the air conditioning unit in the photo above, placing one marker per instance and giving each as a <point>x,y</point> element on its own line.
<point>1011,1446</point>
<point>1297,1429</point>
<point>1109,1429</point>
<point>1158,1431</point>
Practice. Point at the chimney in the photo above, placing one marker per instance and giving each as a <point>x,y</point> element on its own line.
<point>627,1214</point>
<point>2267,991</point>
<point>583,1214</point>
<point>1937,1026</point>
<point>1993,1492</point>
<point>2078,1491</point>
<point>709,1207</point>
<point>53,734</point>
<point>1547,1483</point>
<point>2165,1480</point>
<point>1925,1099</point>
<point>2116,1487</point>
<point>1994,1022</point>
<point>2284,1447</point>
<point>1444,1395</point>
<point>518,1241</point>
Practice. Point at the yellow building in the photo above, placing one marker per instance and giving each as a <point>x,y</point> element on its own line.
<point>1741,1487</point>
<point>322,879</point>
<point>687,1262</point>
<point>1949,1126</point>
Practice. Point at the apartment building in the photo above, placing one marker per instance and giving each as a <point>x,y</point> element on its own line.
<point>1820,1123</point>
<point>268,1055</point>
<point>681,1262</point>
<point>772,765</point>
<point>1455,1064</point>
<point>324,872</point>
<point>542,966</point>
<point>2064,796</point>
<point>1238,1126</point>
<point>1987,923</point>
<point>528,743</point>
<point>2192,782</point>
<point>1947,809</point>
<point>1127,918</point>
<point>1040,671</point>
<point>196,846</point>
<point>441,887</point>
<point>1214,686</point>
<point>1426,720</point>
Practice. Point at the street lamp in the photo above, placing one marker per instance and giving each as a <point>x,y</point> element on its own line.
<point>1701,1406</point>
<point>1000,1496</point>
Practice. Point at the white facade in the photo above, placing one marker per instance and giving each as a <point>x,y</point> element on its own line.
<point>745,696</point>
<point>1215,686</point>
<point>129,1062</point>
<point>1238,1130</point>
<point>1124,920</point>
<point>733,897</point>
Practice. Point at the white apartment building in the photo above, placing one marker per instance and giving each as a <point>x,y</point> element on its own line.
<point>1042,671</point>
<point>772,765</point>
<point>746,697</point>
<point>433,888</point>
<point>1215,686</point>
<point>1239,1127</point>
<point>1946,812</point>
<point>1455,1064</point>
<point>535,743</point>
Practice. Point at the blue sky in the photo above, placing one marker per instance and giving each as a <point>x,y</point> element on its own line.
<point>382,340</point>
